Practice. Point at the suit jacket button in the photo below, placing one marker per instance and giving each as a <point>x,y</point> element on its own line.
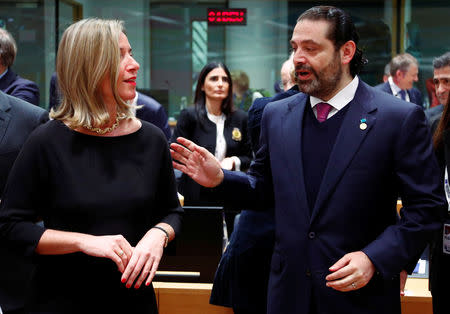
<point>312,235</point>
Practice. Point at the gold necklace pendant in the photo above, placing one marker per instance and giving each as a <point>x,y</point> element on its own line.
<point>108,129</point>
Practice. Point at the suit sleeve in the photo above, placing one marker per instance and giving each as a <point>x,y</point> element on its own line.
<point>421,192</point>
<point>23,198</point>
<point>43,118</point>
<point>28,91</point>
<point>254,189</point>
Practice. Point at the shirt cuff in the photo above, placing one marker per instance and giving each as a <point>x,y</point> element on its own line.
<point>237,163</point>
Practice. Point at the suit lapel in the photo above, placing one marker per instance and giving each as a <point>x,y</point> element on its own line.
<point>5,117</point>
<point>387,88</point>
<point>292,131</point>
<point>347,144</point>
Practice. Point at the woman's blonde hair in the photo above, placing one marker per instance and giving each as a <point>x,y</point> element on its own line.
<point>88,52</point>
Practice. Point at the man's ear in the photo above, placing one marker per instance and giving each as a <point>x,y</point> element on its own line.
<point>347,51</point>
<point>399,74</point>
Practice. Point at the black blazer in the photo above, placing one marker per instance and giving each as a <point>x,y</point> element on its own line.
<point>199,129</point>
<point>17,120</point>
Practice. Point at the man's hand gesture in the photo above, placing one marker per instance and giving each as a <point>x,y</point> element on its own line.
<point>196,162</point>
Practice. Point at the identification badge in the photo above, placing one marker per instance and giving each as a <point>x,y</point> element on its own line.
<point>446,240</point>
<point>236,135</point>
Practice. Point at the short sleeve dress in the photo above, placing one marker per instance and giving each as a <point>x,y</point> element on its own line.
<point>89,184</point>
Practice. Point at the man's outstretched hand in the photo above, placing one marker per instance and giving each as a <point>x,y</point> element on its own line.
<point>196,162</point>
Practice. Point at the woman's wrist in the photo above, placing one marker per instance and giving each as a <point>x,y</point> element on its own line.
<point>165,233</point>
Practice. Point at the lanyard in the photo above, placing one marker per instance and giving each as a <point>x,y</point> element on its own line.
<point>447,188</point>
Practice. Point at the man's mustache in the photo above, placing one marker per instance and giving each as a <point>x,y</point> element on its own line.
<point>304,67</point>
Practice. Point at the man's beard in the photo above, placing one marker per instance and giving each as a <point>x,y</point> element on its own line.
<point>323,83</point>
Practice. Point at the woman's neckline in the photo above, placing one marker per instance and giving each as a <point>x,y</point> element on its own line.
<point>65,126</point>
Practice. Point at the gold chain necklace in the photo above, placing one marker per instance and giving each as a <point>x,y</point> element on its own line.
<point>108,129</point>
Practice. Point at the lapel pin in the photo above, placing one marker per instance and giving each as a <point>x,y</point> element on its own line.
<point>236,135</point>
<point>363,124</point>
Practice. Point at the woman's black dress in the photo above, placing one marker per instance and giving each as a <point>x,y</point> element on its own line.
<point>94,185</point>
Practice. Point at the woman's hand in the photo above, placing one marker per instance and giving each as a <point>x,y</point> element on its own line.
<point>114,247</point>
<point>145,259</point>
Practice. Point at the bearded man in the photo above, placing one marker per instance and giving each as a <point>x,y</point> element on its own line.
<point>333,161</point>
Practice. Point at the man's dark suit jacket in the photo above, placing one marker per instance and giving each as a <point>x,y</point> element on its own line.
<point>55,97</point>
<point>382,151</point>
<point>243,273</point>
<point>17,120</point>
<point>199,129</point>
<point>415,96</point>
<point>14,85</point>
<point>153,112</point>
<point>255,114</point>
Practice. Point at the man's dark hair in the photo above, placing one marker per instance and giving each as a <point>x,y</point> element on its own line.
<point>442,61</point>
<point>340,31</point>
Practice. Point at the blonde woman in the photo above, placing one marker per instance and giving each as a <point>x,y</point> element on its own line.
<point>100,179</point>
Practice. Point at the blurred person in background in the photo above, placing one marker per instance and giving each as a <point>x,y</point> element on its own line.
<point>214,123</point>
<point>11,83</point>
<point>17,120</point>
<point>243,95</point>
<point>387,72</point>
<point>404,70</point>
<point>441,81</point>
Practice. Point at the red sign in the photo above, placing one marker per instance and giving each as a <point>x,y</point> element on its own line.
<point>227,16</point>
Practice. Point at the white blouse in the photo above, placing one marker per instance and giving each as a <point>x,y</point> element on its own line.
<point>221,145</point>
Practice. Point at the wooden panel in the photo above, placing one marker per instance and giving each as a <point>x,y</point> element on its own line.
<point>417,299</point>
<point>186,298</point>
<point>193,298</point>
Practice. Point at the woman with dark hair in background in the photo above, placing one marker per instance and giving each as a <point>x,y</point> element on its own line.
<point>215,124</point>
<point>440,248</point>
<point>101,180</point>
